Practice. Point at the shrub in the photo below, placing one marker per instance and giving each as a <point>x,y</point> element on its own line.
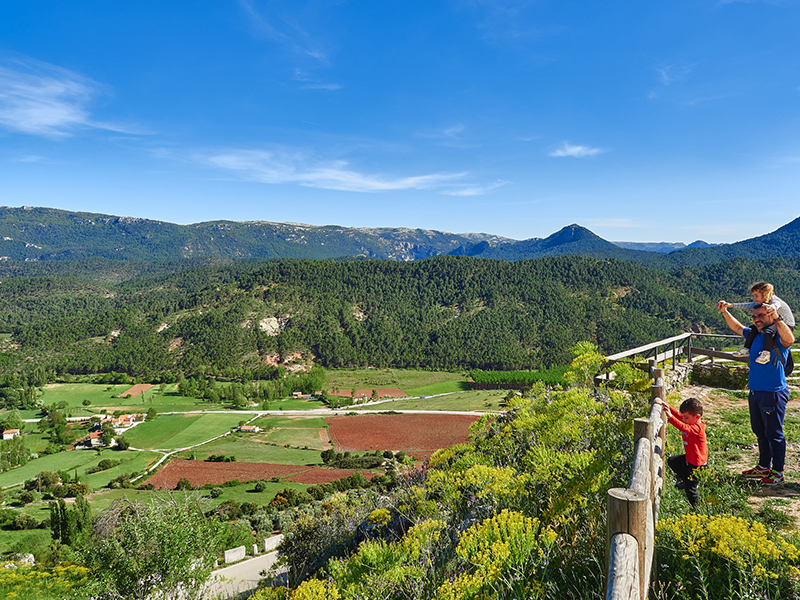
<point>183,484</point>
<point>725,556</point>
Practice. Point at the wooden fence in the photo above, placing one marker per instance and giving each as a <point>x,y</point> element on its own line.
<point>633,511</point>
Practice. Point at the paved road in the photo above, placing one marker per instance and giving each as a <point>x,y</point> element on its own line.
<point>235,581</point>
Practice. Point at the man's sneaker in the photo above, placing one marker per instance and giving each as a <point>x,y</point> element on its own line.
<point>774,478</point>
<point>679,485</point>
<point>741,353</point>
<point>763,358</point>
<point>757,471</point>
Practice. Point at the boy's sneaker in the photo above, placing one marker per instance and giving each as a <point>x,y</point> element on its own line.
<point>774,478</point>
<point>679,485</point>
<point>757,471</point>
<point>763,358</point>
<point>741,353</point>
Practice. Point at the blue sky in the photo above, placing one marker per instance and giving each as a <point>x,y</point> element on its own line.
<point>649,121</point>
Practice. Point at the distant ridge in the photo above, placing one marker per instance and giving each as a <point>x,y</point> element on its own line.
<point>662,247</point>
<point>48,234</point>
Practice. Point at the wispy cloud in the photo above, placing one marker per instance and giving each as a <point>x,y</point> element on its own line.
<point>670,74</point>
<point>274,22</point>
<point>476,190</point>
<point>30,158</point>
<point>38,98</point>
<point>311,82</point>
<point>573,151</point>
<point>285,166</point>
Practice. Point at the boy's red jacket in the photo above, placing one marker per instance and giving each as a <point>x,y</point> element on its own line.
<point>694,439</point>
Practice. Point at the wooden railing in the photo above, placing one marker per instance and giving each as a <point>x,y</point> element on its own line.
<point>633,511</point>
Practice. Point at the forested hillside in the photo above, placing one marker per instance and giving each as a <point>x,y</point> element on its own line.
<point>47,234</point>
<point>444,313</point>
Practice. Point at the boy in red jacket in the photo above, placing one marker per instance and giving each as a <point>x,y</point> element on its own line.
<point>693,431</point>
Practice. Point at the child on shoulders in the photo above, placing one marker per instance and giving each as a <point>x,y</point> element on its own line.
<point>763,293</point>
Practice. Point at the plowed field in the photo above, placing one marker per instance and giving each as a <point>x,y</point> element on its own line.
<point>398,432</point>
<point>136,390</point>
<point>200,472</point>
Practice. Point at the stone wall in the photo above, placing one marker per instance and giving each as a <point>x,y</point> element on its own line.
<point>730,377</point>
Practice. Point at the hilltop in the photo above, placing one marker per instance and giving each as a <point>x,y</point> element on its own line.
<point>46,235</point>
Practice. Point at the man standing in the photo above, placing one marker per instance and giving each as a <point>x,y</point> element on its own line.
<point>768,391</point>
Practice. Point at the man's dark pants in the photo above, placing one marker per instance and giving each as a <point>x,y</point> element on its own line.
<point>767,410</point>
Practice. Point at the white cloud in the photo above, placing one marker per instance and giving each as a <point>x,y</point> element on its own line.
<point>287,25</point>
<point>476,190</point>
<point>670,74</point>
<point>309,82</point>
<point>30,158</point>
<point>42,99</point>
<point>573,151</point>
<point>282,166</point>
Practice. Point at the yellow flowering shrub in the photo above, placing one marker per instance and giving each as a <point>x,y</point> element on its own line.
<point>725,556</point>
<point>382,570</point>
<point>25,582</point>
<point>506,557</point>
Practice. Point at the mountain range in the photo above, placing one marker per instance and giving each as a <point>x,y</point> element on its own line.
<point>47,234</point>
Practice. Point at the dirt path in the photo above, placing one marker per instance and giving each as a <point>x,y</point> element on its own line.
<point>716,404</point>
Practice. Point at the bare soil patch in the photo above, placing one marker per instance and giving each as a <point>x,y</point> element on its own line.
<point>398,432</point>
<point>200,472</point>
<point>136,390</point>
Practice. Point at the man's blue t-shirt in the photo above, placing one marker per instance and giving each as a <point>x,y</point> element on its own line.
<point>769,377</point>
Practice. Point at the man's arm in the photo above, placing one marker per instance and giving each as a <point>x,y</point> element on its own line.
<point>732,322</point>
<point>784,331</point>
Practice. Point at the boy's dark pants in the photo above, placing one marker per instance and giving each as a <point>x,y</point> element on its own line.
<point>685,472</point>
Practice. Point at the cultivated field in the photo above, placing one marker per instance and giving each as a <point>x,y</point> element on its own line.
<point>247,449</point>
<point>478,401</point>
<point>414,382</point>
<point>200,473</point>
<point>168,432</point>
<point>412,433</point>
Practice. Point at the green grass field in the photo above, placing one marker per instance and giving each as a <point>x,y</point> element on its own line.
<point>180,431</point>
<point>106,397</point>
<point>414,382</point>
<point>132,461</point>
<point>290,422</point>
<point>295,404</point>
<point>63,461</point>
<point>247,450</point>
<point>80,461</point>
<point>22,541</point>
<point>479,400</point>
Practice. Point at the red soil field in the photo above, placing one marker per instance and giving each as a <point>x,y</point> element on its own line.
<point>367,392</point>
<point>200,472</point>
<point>136,390</point>
<point>398,432</point>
